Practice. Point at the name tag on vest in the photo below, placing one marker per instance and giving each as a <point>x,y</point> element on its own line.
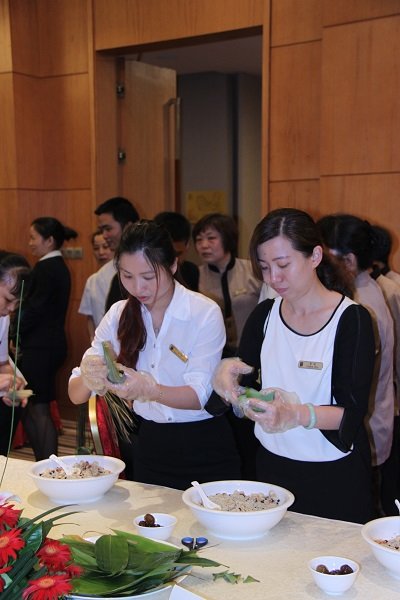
<point>310,364</point>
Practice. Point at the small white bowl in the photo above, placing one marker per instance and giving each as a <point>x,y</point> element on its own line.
<point>166,522</point>
<point>77,491</point>
<point>385,528</point>
<point>333,584</point>
<point>232,525</point>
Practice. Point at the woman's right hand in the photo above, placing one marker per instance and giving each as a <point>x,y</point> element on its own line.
<point>94,373</point>
<point>7,385</point>
<point>225,380</point>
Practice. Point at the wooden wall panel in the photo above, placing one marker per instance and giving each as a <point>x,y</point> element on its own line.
<point>24,36</point>
<point>296,194</point>
<point>28,131</point>
<point>293,21</point>
<point>8,157</point>
<point>65,117</point>
<point>5,37</point>
<point>63,36</point>
<point>372,197</point>
<point>295,112</point>
<point>107,184</point>
<point>128,22</point>
<point>10,233</point>
<point>360,98</point>
<point>346,11</point>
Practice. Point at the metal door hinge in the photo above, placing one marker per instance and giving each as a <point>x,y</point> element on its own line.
<point>121,155</point>
<point>120,89</point>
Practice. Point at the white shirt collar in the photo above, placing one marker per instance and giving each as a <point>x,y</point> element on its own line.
<point>51,254</point>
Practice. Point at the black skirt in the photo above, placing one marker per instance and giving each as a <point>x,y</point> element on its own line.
<point>338,489</point>
<point>174,454</point>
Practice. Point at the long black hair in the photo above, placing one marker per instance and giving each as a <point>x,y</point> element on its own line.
<point>156,244</point>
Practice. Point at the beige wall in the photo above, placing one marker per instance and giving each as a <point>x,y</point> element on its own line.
<point>331,107</point>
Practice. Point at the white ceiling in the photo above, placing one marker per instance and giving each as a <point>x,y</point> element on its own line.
<point>241,55</point>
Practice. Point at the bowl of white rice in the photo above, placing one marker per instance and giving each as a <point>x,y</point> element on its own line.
<point>92,476</point>
<point>249,509</point>
<point>383,537</point>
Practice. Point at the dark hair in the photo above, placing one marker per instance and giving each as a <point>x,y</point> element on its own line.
<point>176,224</point>
<point>120,208</point>
<point>51,227</point>
<point>156,244</point>
<point>94,235</point>
<point>349,234</point>
<point>226,227</point>
<point>301,231</point>
<point>382,246</point>
<point>16,267</point>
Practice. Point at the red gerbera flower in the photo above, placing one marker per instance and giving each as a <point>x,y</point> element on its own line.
<point>10,542</point>
<point>2,582</point>
<point>54,555</point>
<point>48,587</point>
<point>8,516</point>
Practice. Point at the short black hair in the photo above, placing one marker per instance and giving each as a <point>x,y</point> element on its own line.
<point>120,208</point>
<point>382,244</point>
<point>226,227</point>
<point>177,225</point>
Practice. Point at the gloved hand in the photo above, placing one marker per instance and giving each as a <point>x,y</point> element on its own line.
<point>7,385</point>
<point>94,373</point>
<point>279,415</point>
<point>225,378</point>
<point>138,385</point>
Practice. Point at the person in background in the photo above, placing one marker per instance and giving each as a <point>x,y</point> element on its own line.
<point>179,229</point>
<point>167,340</point>
<point>14,270</point>
<point>225,278</point>
<point>313,347</point>
<point>350,241</point>
<point>382,251</point>
<point>92,303</point>
<point>43,344</point>
<point>113,216</point>
<point>101,250</point>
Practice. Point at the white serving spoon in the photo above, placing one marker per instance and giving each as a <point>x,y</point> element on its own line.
<point>68,470</point>
<point>397,503</point>
<point>207,503</point>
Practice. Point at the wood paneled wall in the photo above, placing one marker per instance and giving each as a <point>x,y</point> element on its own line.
<point>331,107</point>
<point>335,108</point>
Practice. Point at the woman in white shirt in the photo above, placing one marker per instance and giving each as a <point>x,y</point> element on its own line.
<point>168,341</point>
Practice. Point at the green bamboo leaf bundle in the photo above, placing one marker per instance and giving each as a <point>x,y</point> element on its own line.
<point>252,393</point>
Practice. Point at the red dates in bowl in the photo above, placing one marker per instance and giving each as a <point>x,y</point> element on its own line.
<point>158,526</point>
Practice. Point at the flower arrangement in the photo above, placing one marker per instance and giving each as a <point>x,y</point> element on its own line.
<point>32,566</point>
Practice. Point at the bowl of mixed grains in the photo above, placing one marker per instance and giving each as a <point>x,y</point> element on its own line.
<point>383,537</point>
<point>249,509</point>
<point>90,477</point>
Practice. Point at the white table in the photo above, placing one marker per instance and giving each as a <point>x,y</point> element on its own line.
<point>278,560</point>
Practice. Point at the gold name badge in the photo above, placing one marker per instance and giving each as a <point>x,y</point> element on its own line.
<point>183,357</point>
<point>310,364</point>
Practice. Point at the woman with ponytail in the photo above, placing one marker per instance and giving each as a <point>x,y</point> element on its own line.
<point>167,340</point>
<point>43,344</point>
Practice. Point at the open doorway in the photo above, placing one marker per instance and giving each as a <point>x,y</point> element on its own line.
<point>213,123</point>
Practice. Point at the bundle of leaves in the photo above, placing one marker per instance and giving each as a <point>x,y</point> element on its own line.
<point>126,564</point>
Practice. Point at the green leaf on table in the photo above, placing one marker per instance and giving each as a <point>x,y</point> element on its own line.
<point>112,553</point>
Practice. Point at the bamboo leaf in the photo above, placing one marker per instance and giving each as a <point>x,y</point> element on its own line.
<point>112,553</point>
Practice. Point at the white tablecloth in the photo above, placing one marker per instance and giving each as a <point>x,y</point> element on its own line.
<point>278,560</point>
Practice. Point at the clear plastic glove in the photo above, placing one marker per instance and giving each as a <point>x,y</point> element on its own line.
<point>281,414</point>
<point>94,373</point>
<point>226,376</point>
<point>138,385</point>
<point>7,385</point>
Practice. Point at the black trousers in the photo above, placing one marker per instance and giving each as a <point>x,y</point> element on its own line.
<point>174,454</point>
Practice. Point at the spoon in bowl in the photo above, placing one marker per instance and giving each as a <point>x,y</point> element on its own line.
<point>207,503</point>
<point>397,503</point>
<point>68,470</point>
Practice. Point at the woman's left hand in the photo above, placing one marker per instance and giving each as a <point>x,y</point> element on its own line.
<point>281,414</point>
<point>138,385</point>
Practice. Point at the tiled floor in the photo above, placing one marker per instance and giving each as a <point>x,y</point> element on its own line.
<point>67,443</point>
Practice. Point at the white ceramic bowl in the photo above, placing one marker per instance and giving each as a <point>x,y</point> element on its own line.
<point>77,491</point>
<point>166,522</point>
<point>333,584</point>
<point>238,525</point>
<point>385,528</point>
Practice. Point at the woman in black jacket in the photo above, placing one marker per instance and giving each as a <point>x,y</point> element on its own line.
<point>43,344</point>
